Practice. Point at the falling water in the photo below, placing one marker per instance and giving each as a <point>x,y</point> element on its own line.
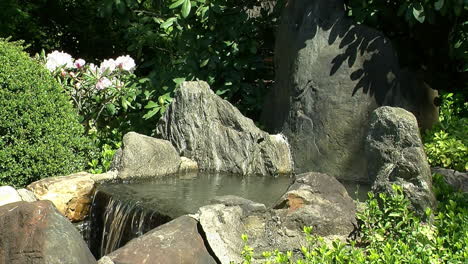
<point>115,222</point>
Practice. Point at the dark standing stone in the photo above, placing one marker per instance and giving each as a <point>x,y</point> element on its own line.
<point>331,74</point>
<point>36,233</point>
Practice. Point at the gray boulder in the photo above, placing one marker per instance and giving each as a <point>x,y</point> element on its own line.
<point>331,74</point>
<point>143,156</point>
<point>396,156</point>
<point>456,179</point>
<point>35,232</point>
<point>314,199</point>
<point>177,242</point>
<point>204,127</point>
<point>318,200</point>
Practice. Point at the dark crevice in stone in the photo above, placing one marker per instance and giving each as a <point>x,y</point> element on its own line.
<point>207,245</point>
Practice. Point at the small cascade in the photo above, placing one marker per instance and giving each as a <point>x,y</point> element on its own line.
<point>115,222</point>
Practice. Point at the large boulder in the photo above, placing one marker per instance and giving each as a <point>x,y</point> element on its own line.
<point>72,194</point>
<point>318,200</point>
<point>396,156</point>
<point>8,195</point>
<point>37,233</point>
<point>455,179</point>
<point>143,156</point>
<point>314,199</point>
<point>177,242</point>
<point>204,127</point>
<point>331,74</point>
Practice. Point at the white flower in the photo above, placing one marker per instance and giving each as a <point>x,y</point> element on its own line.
<point>58,59</point>
<point>103,83</point>
<point>79,63</point>
<point>93,68</point>
<point>108,65</point>
<point>125,63</point>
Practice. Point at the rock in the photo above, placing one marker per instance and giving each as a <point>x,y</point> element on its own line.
<point>320,201</point>
<point>187,165</point>
<point>143,156</point>
<point>27,195</point>
<point>456,179</point>
<point>8,195</point>
<point>246,205</point>
<point>314,199</point>
<point>72,195</point>
<point>176,242</point>
<point>108,176</point>
<point>37,233</point>
<point>396,156</point>
<point>223,228</point>
<point>211,131</point>
<point>331,74</point>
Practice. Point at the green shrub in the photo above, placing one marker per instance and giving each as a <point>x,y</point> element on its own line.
<point>390,233</point>
<point>40,135</point>
<point>446,144</point>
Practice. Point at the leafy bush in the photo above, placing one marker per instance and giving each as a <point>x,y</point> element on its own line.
<point>218,41</point>
<point>40,135</point>
<point>390,233</point>
<point>446,144</point>
<point>430,37</point>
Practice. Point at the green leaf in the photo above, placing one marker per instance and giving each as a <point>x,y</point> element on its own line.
<point>151,113</point>
<point>418,13</point>
<point>178,80</point>
<point>176,4</point>
<point>204,63</point>
<point>151,104</point>
<point>168,23</point>
<point>438,4</point>
<point>186,8</point>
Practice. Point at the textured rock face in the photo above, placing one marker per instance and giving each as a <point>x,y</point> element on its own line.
<point>177,242</point>
<point>72,195</point>
<point>37,233</point>
<point>396,156</point>
<point>143,156</point>
<point>314,200</point>
<point>8,195</point>
<point>211,131</point>
<point>27,195</point>
<point>331,74</point>
<point>320,201</point>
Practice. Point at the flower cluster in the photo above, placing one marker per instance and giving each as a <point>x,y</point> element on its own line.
<point>111,85</point>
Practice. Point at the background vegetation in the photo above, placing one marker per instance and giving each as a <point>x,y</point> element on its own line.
<point>230,45</point>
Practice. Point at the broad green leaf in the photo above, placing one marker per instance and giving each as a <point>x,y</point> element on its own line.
<point>204,63</point>
<point>176,4</point>
<point>418,13</point>
<point>151,113</point>
<point>178,80</point>
<point>438,4</point>
<point>151,104</point>
<point>186,8</point>
<point>168,23</point>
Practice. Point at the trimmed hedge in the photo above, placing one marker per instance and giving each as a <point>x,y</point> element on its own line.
<point>40,135</point>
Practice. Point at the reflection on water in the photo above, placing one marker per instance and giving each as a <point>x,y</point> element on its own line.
<point>181,194</point>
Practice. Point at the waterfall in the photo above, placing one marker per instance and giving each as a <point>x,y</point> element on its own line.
<point>115,222</point>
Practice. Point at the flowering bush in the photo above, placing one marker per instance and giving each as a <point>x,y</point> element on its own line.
<point>99,93</point>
